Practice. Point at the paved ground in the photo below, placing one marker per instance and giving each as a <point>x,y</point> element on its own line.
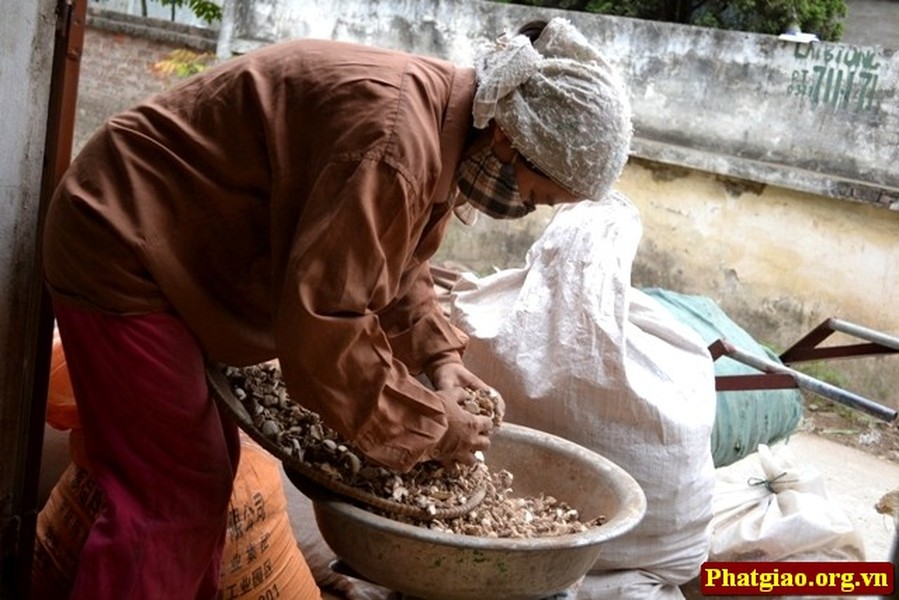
<point>872,23</point>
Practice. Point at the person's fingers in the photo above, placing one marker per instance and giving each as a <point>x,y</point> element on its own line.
<point>466,434</point>
<point>484,427</point>
<point>453,396</point>
<point>455,375</point>
<point>475,382</point>
<point>468,455</point>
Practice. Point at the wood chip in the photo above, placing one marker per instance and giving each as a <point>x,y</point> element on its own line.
<point>302,435</point>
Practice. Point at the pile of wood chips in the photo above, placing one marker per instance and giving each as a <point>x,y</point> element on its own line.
<point>302,436</point>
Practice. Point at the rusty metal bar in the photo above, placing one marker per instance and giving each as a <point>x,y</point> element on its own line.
<point>67,68</point>
<point>741,383</point>
<point>803,381</point>
<point>833,352</point>
<point>807,348</point>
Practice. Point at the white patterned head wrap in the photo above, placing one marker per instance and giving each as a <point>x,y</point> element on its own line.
<point>562,105</point>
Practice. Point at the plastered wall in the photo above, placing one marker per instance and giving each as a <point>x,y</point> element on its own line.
<point>778,261</point>
<point>818,117</point>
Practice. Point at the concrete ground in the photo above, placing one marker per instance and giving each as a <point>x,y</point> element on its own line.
<point>855,481</point>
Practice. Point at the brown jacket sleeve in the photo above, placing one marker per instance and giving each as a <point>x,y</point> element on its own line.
<point>420,335</point>
<point>329,333</point>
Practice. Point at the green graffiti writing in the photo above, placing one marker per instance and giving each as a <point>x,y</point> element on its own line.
<point>843,78</point>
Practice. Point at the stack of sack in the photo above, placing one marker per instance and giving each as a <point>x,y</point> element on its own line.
<point>575,350</point>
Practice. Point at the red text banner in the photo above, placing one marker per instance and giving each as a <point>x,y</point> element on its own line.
<point>796,578</point>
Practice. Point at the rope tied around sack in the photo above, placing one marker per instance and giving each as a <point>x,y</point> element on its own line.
<point>769,483</point>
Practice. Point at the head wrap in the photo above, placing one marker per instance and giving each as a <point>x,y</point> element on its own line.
<point>562,105</point>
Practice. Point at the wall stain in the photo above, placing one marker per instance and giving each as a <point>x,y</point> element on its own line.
<point>737,187</point>
<point>665,173</point>
<point>661,172</point>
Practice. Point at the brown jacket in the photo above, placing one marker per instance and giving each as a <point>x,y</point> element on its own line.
<point>284,204</point>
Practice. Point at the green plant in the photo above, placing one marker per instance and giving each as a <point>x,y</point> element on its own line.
<point>822,17</point>
<point>179,64</point>
<point>207,10</point>
<point>821,371</point>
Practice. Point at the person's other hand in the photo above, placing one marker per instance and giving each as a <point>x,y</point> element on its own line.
<point>455,375</point>
<point>465,434</point>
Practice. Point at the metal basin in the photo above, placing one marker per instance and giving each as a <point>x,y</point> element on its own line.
<point>440,566</point>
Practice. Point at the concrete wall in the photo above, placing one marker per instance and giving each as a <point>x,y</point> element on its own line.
<point>814,117</point>
<point>778,261</point>
<point>27,33</point>
<point>768,241</point>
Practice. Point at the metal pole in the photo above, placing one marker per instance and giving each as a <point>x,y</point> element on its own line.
<point>809,348</point>
<point>811,384</point>
<point>864,333</point>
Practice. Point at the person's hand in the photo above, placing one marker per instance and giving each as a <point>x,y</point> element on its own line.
<point>466,433</point>
<point>454,375</point>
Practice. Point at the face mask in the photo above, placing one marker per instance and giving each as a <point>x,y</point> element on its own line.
<point>491,186</point>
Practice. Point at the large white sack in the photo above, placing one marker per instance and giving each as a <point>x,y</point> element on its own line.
<point>769,507</point>
<point>578,352</point>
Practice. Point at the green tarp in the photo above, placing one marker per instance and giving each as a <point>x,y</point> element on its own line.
<point>744,419</point>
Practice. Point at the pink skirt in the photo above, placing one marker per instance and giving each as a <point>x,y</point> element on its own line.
<point>159,448</point>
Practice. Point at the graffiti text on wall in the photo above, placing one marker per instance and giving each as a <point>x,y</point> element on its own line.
<point>844,78</point>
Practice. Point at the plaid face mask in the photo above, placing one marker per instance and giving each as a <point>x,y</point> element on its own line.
<point>491,186</point>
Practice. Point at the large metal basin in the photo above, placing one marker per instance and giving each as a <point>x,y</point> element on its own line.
<point>439,566</point>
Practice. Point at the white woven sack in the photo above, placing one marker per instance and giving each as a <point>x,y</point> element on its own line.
<point>576,351</point>
<point>768,507</point>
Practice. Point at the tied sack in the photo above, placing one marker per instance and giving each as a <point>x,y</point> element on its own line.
<point>770,507</point>
<point>578,352</point>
